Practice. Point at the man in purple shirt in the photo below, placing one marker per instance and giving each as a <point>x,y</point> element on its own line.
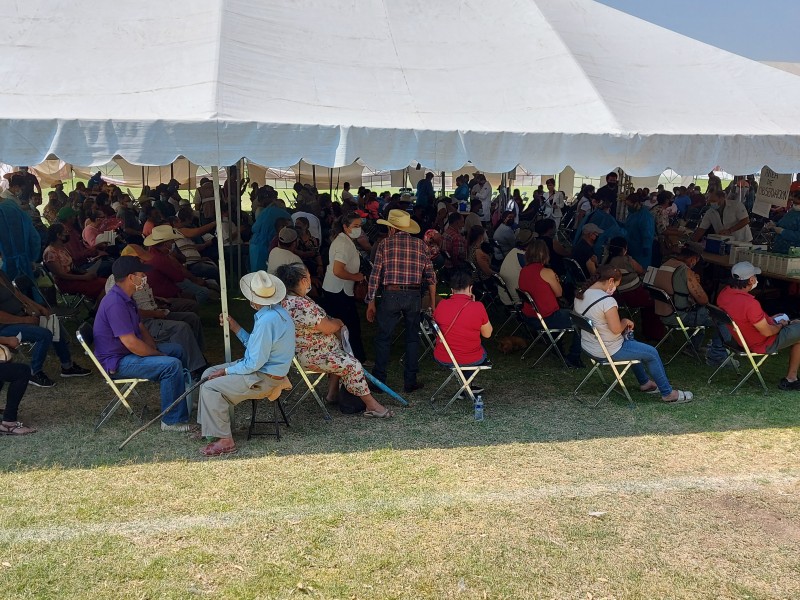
<point>126,349</point>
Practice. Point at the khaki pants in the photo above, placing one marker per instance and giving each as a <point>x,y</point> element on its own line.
<point>219,396</point>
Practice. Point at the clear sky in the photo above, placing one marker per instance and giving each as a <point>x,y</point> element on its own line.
<point>757,29</point>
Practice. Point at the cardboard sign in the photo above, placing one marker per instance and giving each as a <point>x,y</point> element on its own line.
<point>773,190</point>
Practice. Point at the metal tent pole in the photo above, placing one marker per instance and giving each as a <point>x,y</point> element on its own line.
<point>223,284</point>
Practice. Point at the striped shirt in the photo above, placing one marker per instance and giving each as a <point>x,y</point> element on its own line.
<point>400,260</point>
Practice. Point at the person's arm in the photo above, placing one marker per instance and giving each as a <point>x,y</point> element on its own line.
<point>698,234</point>
<point>560,249</point>
<point>159,313</point>
<point>636,266</point>
<point>342,273</point>
<point>768,329</point>
<point>57,270</point>
<point>146,337</point>
<point>591,264</point>
<point>329,325</point>
<point>9,319</point>
<point>137,346</point>
<point>549,276</point>
<point>258,346</point>
<point>695,288</point>
<point>483,262</point>
<point>616,325</point>
<point>736,226</point>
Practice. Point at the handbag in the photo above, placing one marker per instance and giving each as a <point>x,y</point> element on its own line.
<point>52,324</point>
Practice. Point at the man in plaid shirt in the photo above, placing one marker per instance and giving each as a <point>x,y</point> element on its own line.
<point>454,242</point>
<point>401,266</point>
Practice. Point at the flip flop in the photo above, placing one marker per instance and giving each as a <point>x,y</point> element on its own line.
<point>374,414</point>
<point>683,398</point>
<point>214,449</point>
<point>16,429</point>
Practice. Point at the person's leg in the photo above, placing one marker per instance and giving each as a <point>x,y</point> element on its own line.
<point>410,311</point>
<point>39,336</point>
<point>204,270</point>
<point>788,337</point>
<point>178,333</point>
<point>387,316</point>
<point>333,387</point>
<point>183,305</point>
<point>633,350</point>
<point>168,371</point>
<point>16,374</point>
<point>353,322</point>
<point>716,353</point>
<point>192,319</point>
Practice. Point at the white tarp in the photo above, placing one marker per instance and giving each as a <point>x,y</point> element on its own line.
<point>331,81</point>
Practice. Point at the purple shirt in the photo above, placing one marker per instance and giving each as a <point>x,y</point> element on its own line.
<point>116,316</point>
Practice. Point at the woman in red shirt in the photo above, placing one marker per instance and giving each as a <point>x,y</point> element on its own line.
<point>542,283</point>
<point>463,321</point>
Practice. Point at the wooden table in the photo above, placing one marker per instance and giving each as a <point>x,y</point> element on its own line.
<point>722,260</point>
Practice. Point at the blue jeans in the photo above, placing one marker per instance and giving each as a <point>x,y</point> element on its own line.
<point>477,363</point>
<point>394,306</point>
<point>201,294</point>
<point>167,370</point>
<point>559,320</point>
<point>42,340</point>
<point>633,350</point>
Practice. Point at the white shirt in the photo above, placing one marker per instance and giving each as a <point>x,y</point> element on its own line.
<point>504,236</point>
<point>553,205</point>
<point>597,314</point>
<point>509,272</point>
<point>280,256</point>
<point>344,250</point>
<point>733,212</point>
<point>484,194</point>
<point>314,227</point>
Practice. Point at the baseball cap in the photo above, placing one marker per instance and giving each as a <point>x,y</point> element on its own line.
<point>65,213</point>
<point>524,235</point>
<point>744,270</point>
<point>592,228</point>
<point>287,235</point>
<point>125,265</point>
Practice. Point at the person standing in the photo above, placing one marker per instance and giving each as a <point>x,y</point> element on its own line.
<point>554,202</point>
<point>344,270</point>
<point>425,192</point>
<point>482,190</point>
<point>20,243</point>
<point>402,267</point>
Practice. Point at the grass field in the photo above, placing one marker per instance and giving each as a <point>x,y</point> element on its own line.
<point>547,498</point>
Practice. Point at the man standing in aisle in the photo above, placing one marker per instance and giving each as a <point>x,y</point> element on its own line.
<point>402,267</point>
<point>482,190</point>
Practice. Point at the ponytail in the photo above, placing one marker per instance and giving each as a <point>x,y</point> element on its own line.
<point>603,273</point>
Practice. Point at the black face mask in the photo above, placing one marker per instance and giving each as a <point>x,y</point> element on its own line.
<point>65,238</point>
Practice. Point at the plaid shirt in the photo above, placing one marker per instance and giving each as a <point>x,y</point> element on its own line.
<point>400,260</point>
<point>455,245</point>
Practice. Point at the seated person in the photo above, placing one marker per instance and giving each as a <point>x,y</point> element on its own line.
<point>169,278</point>
<point>59,262</point>
<point>543,285</point>
<point>762,333</point>
<point>284,253</point>
<point>453,241</point>
<point>504,234</point>
<point>154,219</point>
<point>308,247</point>
<point>17,375</point>
<point>463,321</point>
<point>83,257</point>
<point>97,223</point>
<point>318,342</point>
<point>727,216</point>
<point>125,348</point>
<point>678,278</point>
<point>546,231</point>
<point>165,325</point>
<point>260,374</point>
<point>788,228</point>
<point>583,250</point>
<point>595,301</point>
<point>199,266</point>
<point>512,266</point>
<point>479,253</point>
<point>433,246</point>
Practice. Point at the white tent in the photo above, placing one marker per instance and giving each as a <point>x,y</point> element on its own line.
<point>541,83</point>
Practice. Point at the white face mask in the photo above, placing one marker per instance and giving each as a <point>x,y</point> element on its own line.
<point>355,233</point>
<point>610,291</point>
<point>755,285</point>
<point>140,286</point>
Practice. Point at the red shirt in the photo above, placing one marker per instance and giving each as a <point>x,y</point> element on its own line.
<point>460,318</point>
<point>164,275</point>
<point>530,280</point>
<point>746,311</point>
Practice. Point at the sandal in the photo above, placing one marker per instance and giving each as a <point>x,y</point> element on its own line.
<point>215,449</point>
<point>375,414</point>
<point>16,429</point>
<point>682,398</point>
<point>650,390</point>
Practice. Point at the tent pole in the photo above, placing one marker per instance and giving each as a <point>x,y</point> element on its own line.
<point>239,179</point>
<point>314,175</point>
<point>330,181</point>
<point>143,184</point>
<point>223,284</point>
<point>443,190</point>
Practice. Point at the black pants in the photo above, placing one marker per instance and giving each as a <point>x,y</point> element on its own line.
<point>341,306</point>
<point>394,306</point>
<point>17,375</point>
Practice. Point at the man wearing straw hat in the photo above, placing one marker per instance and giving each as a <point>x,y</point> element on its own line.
<point>402,267</point>
<point>269,350</point>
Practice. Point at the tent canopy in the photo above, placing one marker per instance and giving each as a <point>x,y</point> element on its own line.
<point>541,83</point>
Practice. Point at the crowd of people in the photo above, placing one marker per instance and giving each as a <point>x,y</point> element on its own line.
<point>147,266</point>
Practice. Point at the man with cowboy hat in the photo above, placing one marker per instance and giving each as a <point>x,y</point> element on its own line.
<point>402,266</point>
<point>269,350</point>
<point>125,348</point>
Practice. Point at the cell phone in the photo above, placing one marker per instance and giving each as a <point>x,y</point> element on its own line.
<point>782,318</point>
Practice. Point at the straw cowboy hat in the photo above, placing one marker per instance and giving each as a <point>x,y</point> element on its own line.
<point>400,219</point>
<point>262,288</point>
<point>162,233</point>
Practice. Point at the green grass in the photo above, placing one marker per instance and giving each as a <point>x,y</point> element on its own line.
<point>697,500</point>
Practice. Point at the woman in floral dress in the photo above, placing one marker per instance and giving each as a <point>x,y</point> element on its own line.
<point>318,347</point>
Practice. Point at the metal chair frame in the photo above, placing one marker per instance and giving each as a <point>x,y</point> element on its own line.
<point>659,295</point>
<point>551,336</point>
<point>311,380</point>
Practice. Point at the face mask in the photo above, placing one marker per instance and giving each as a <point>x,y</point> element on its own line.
<point>610,291</point>
<point>140,286</point>
<point>355,233</point>
<point>755,285</point>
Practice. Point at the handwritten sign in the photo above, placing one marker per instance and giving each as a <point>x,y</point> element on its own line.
<point>773,190</point>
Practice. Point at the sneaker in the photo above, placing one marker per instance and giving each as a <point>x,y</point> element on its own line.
<point>410,389</point>
<point>41,380</point>
<point>732,363</point>
<point>75,371</point>
<point>788,386</point>
<point>179,427</point>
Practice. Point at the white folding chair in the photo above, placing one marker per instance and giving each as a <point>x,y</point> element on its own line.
<point>661,296</point>
<point>311,379</point>
<point>618,367</point>
<point>85,337</point>
<point>551,336</point>
<point>464,375</point>
<point>723,319</point>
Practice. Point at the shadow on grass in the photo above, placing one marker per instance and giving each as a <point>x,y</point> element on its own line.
<point>523,405</point>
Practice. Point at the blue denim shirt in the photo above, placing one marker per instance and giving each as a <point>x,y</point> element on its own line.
<point>270,348</point>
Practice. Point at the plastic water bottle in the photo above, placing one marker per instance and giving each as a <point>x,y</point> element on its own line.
<point>629,335</point>
<point>479,408</point>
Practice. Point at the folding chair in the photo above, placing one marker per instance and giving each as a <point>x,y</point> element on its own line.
<point>69,300</point>
<point>85,337</point>
<point>277,409</point>
<point>723,319</point>
<point>659,295</point>
<point>581,323</point>
<point>463,375</point>
<point>27,286</point>
<point>514,310</point>
<point>550,336</point>
<point>574,273</point>
<point>311,388</point>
